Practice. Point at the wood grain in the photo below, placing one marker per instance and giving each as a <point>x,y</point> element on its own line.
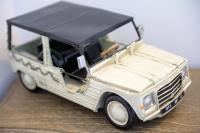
<point>43,112</point>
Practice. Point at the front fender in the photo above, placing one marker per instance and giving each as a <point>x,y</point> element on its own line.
<point>131,98</point>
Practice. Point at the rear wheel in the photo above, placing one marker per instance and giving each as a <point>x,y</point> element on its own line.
<point>119,112</point>
<point>28,81</point>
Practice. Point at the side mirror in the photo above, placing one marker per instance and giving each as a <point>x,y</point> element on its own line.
<point>140,29</point>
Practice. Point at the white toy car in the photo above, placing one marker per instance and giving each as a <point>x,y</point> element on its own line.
<point>97,59</point>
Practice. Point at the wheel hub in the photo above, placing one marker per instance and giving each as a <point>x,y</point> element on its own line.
<point>28,81</point>
<point>117,112</point>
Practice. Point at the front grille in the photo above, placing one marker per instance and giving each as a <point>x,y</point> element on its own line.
<point>167,92</point>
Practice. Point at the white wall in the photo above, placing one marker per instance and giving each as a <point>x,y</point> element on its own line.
<point>172,25</point>
<point>6,76</point>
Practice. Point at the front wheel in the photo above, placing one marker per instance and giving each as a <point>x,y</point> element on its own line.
<point>28,81</point>
<point>119,112</point>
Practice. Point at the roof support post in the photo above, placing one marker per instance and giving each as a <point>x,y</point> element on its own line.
<point>81,49</point>
<point>136,27</point>
<point>46,51</point>
<point>9,34</point>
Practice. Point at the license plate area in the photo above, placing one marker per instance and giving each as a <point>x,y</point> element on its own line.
<point>172,104</point>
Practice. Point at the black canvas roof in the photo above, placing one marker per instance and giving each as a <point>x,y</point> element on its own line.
<point>70,23</point>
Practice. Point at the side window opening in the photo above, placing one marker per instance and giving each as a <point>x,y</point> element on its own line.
<point>28,44</point>
<point>65,56</point>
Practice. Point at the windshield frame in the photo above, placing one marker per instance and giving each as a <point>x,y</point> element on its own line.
<point>103,59</point>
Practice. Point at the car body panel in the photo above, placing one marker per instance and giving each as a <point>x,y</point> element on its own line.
<point>125,78</point>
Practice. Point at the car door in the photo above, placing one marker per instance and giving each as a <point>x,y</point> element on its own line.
<point>53,78</point>
<point>52,75</point>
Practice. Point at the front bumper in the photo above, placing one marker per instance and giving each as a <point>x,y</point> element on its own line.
<point>158,114</point>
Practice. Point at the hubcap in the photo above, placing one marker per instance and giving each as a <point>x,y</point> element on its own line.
<point>28,81</point>
<point>117,113</point>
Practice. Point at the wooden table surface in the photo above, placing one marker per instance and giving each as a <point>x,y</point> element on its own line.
<point>43,112</point>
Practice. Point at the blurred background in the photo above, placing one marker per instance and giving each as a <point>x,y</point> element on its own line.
<point>173,25</point>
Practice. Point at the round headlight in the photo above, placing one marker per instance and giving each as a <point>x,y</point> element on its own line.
<point>148,101</point>
<point>184,72</point>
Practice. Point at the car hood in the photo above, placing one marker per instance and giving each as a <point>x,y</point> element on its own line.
<point>146,66</point>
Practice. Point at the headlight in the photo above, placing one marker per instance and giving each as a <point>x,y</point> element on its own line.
<point>184,72</point>
<point>148,101</point>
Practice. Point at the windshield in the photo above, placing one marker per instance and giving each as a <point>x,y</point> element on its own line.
<point>111,43</point>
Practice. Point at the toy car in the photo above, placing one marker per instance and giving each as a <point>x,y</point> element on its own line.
<point>96,58</point>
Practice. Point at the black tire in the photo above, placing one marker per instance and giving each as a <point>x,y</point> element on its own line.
<point>35,89</point>
<point>132,118</point>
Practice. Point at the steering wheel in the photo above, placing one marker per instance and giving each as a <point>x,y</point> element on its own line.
<point>57,58</point>
<point>108,51</point>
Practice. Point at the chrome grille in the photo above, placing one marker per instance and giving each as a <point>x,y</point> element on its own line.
<point>167,92</point>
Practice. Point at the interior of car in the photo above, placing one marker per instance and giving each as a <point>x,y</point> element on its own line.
<point>30,49</point>
<point>92,53</point>
<point>100,49</point>
<point>65,56</point>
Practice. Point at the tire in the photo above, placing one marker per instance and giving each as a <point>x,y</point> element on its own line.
<point>28,82</point>
<point>119,112</point>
